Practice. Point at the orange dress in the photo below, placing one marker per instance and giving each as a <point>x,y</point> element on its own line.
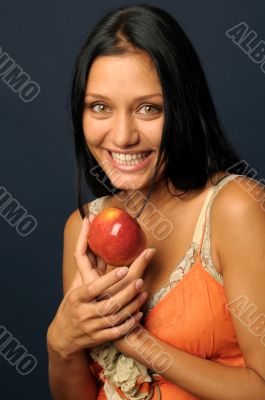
<point>190,312</point>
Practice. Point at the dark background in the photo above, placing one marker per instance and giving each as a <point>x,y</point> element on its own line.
<point>36,160</point>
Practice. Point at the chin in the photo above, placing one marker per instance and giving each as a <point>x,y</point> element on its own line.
<point>130,183</point>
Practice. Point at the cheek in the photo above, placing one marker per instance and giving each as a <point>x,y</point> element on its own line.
<point>152,131</point>
<point>93,131</point>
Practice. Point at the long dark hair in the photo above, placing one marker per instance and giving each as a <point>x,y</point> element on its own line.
<point>193,145</point>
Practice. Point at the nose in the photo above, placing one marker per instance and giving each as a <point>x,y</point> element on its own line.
<point>124,132</point>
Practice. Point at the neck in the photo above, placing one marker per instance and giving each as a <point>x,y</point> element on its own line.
<point>163,197</point>
<point>134,200</point>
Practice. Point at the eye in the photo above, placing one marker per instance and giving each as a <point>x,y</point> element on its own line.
<point>100,109</point>
<point>148,107</point>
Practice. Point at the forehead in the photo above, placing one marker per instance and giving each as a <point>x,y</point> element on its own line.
<point>126,70</point>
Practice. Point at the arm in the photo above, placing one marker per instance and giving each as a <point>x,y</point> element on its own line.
<point>82,323</point>
<point>70,378</point>
<point>241,245</point>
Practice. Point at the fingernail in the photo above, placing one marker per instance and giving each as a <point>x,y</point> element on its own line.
<point>149,253</point>
<point>139,283</point>
<point>122,271</point>
<point>139,315</point>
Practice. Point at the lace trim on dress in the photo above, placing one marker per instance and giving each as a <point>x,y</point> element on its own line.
<point>120,371</point>
<point>206,245</point>
<point>179,272</point>
<point>206,258</point>
<point>96,205</point>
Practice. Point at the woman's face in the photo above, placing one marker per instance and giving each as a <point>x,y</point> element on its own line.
<point>123,118</point>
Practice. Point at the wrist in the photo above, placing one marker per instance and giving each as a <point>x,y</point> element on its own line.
<point>130,342</point>
<point>56,347</point>
<point>143,347</point>
<point>63,356</point>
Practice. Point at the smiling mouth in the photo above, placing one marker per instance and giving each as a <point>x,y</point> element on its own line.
<point>129,158</point>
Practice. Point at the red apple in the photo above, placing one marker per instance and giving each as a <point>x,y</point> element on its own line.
<point>116,237</point>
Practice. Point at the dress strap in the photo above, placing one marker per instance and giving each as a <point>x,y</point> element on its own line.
<point>200,227</point>
<point>198,233</point>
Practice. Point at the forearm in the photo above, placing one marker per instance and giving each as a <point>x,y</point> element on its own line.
<point>200,377</point>
<point>71,379</point>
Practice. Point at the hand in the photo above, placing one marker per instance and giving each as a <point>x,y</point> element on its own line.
<point>81,321</point>
<point>91,266</point>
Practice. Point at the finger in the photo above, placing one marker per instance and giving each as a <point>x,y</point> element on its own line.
<point>96,261</point>
<point>118,331</point>
<point>114,304</point>
<point>136,271</point>
<point>91,217</point>
<point>138,266</point>
<point>123,314</point>
<point>83,261</point>
<point>91,255</point>
<point>94,289</point>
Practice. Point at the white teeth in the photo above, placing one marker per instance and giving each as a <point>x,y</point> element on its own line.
<point>129,159</point>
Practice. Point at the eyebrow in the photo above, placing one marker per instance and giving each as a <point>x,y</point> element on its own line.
<point>137,98</point>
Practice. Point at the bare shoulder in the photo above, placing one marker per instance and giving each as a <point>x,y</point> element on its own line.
<point>238,195</point>
<point>73,222</point>
<point>238,207</point>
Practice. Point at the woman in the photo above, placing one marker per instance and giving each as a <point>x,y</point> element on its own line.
<point>147,137</point>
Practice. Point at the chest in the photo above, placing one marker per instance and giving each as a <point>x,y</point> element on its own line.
<point>172,239</point>
<point>172,249</point>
